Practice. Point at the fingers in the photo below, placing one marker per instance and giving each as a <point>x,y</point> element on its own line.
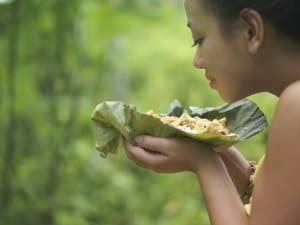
<point>164,145</point>
<point>127,145</point>
<point>156,144</point>
<point>143,157</point>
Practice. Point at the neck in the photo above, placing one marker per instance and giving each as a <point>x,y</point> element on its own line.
<point>280,68</point>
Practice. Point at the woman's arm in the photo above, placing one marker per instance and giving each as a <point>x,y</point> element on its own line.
<point>276,195</point>
<point>183,154</point>
<point>237,167</point>
<point>222,200</point>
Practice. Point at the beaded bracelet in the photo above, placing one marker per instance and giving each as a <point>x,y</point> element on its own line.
<point>252,167</point>
<point>246,195</point>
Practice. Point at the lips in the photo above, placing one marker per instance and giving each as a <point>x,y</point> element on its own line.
<point>212,81</point>
<point>208,77</point>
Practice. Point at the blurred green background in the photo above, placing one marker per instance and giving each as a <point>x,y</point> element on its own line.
<point>58,59</point>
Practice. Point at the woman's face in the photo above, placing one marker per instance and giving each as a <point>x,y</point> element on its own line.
<point>226,61</point>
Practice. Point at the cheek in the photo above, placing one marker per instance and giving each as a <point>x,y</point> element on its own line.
<point>233,89</point>
<point>231,86</point>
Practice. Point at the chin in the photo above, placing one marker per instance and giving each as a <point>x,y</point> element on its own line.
<point>231,97</point>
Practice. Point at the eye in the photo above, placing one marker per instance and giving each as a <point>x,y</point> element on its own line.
<point>198,41</point>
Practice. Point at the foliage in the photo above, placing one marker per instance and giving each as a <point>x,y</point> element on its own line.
<point>58,59</point>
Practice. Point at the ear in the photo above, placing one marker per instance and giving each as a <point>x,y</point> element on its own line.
<point>254,29</point>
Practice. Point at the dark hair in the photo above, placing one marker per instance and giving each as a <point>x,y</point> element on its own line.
<point>282,14</point>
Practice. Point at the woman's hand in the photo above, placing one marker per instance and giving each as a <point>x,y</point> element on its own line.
<point>172,154</point>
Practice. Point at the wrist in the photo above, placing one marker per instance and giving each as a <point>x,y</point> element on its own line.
<point>246,194</point>
<point>206,161</point>
<point>226,152</point>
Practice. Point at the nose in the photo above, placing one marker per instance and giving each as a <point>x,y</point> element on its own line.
<point>198,60</point>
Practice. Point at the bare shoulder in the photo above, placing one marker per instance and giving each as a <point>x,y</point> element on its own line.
<point>278,184</point>
<point>286,120</point>
<point>284,134</point>
<point>290,96</point>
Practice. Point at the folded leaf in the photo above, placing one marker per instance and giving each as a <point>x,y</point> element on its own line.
<point>113,119</point>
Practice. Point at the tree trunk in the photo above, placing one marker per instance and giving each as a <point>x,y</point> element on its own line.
<point>63,35</point>
<point>8,170</point>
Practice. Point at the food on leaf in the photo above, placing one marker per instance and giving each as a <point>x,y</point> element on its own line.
<point>220,126</point>
<point>196,124</point>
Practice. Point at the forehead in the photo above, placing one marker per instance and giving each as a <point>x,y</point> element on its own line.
<point>196,13</point>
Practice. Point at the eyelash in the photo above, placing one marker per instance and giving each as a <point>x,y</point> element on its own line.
<point>198,41</point>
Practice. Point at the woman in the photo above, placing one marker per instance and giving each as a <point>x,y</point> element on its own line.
<point>245,47</point>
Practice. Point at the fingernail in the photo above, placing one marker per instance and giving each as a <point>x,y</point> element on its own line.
<point>138,139</point>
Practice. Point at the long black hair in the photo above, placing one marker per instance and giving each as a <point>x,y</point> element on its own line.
<point>284,15</point>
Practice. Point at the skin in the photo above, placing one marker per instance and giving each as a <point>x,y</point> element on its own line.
<point>249,59</point>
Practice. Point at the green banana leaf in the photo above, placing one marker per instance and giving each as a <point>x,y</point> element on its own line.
<point>114,119</point>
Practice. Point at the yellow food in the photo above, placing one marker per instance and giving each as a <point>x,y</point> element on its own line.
<point>195,124</point>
